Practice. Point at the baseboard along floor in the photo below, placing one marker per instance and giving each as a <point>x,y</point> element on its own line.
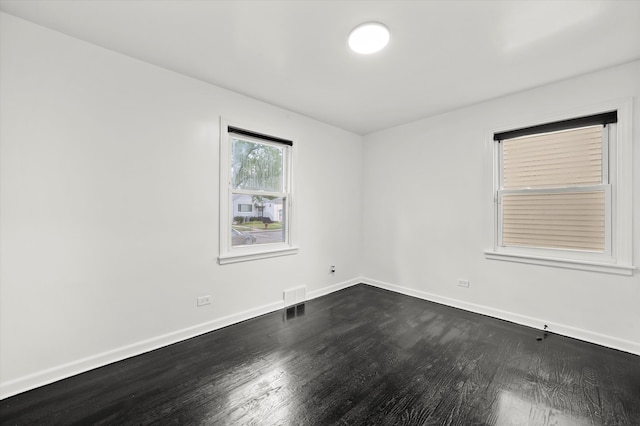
<point>362,355</point>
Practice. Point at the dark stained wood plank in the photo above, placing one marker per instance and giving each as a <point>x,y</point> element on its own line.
<point>355,357</point>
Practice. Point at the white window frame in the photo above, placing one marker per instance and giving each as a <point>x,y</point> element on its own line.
<point>233,254</point>
<point>617,162</point>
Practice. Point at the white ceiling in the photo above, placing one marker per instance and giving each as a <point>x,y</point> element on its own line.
<point>293,54</point>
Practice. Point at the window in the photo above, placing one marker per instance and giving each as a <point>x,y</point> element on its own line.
<point>255,195</point>
<point>562,195</point>
<point>553,190</point>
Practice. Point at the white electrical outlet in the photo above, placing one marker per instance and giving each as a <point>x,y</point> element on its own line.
<point>463,283</point>
<point>204,300</point>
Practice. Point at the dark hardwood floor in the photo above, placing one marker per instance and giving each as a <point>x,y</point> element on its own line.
<point>358,356</point>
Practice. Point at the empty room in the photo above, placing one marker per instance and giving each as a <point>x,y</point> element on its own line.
<point>319,212</point>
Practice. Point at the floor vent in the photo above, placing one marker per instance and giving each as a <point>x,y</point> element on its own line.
<point>293,312</point>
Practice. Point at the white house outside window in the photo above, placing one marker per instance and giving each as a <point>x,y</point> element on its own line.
<point>255,195</point>
<point>562,195</point>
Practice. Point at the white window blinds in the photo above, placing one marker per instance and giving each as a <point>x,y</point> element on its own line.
<point>554,190</point>
<point>570,220</point>
<point>566,158</point>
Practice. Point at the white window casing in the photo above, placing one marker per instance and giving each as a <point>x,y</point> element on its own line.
<point>268,192</point>
<point>563,198</point>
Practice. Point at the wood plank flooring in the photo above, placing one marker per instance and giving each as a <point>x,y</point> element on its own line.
<point>360,356</point>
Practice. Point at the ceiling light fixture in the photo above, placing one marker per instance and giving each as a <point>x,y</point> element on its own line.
<point>368,38</point>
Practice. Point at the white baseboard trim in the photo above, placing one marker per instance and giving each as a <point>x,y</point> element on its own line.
<point>45,377</point>
<point>330,289</point>
<point>562,329</point>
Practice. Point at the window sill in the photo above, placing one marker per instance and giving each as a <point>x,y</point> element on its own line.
<point>244,257</point>
<point>609,268</point>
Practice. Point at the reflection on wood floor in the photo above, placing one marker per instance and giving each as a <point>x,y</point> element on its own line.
<point>358,356</point>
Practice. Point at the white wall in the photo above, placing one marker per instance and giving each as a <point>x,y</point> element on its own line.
<point>109,217</point>
<point>439,163</point>
<point>109,211</point>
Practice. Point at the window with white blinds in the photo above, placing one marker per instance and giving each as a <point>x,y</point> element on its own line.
<point>554,190</point>
<point>562,192</point>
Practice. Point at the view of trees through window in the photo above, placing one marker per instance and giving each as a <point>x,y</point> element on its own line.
<point>256,166</point>
<point>257,181</point>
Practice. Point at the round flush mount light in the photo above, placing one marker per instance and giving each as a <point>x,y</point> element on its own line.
<point>369,38</point>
